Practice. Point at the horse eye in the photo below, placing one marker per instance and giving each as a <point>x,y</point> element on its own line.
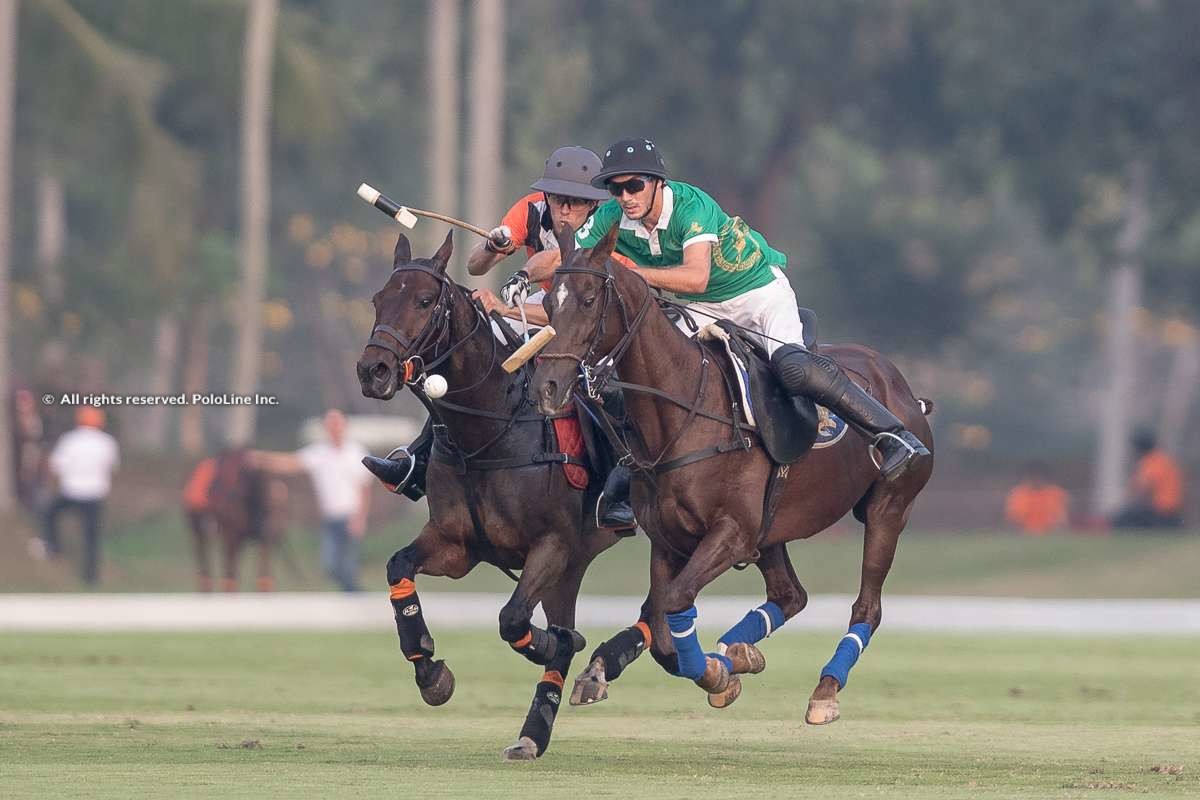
<point>426,302</point>
<point>588,302</point>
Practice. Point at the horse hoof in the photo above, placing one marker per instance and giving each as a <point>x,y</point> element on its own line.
<point>725,699</point>
<point>715,678</point>
<point>747,659</point>
<point>590,686</point>
<point>524,750</point>
<point>440,686</point>
<point>822,712</point>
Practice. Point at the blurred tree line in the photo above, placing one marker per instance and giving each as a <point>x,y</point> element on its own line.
<point>956,184</point>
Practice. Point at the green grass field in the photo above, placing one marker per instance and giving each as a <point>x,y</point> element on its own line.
<point>299,716</point>
<point>155,555</point>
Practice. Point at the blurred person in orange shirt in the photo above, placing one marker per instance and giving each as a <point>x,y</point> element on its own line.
<point>1156,491</point>
<point>1037,506</point>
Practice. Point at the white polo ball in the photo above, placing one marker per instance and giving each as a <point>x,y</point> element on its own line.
<point>435,386</point>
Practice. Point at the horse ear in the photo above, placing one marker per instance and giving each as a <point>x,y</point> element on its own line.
<point>566,240</point>
<point>403,253</point>
<point>604,249</point>
<point>442,257</point>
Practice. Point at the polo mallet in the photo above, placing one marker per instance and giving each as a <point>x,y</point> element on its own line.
<point>408,218</point>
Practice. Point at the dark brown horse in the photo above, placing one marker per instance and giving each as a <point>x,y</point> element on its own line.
<point>700,495</point>
<point>243,505</point>
<point>496,487</point>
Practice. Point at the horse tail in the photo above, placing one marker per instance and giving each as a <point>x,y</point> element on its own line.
<point>926,405</point>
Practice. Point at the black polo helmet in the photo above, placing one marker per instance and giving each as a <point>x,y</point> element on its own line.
<point>631,157</point>
<point>569,172</point>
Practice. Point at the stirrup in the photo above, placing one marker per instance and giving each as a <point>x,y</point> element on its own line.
<point>873,447</point>
<point>412,467</point>
<point>626,530</point>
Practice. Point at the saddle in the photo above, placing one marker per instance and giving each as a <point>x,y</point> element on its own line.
<point>787,425</point>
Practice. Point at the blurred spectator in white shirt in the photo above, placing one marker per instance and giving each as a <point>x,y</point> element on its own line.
<point>82,463</point>
<point>342,486</point>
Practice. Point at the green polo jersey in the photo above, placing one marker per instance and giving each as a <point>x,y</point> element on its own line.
<point>741,257</point>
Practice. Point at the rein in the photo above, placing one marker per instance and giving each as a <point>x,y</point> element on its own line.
<point>596,377</point>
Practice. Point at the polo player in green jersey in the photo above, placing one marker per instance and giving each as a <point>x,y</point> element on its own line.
<point>684,243</point>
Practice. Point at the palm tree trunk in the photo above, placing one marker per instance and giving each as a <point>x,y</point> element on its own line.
<point>8,79</point>
<point>444,106</point>
<point>487,116</point>
<point>195,376</point>
<point>1117,408</point>
<point>256,209</point>
<point>153,425</point>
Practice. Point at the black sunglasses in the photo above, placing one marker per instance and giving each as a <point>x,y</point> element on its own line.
<point>631,186</point>
<point>566,200</point>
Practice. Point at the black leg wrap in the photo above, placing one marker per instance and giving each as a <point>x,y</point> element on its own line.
<point>539,722</point>
<point>620,651</point>
<point>544,647</point>
<point>415,641</point>
<point>820,378</point>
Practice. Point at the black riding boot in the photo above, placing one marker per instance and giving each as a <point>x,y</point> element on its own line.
<point>403,471</point>
<point>820,378</point>
<point>613,509</point>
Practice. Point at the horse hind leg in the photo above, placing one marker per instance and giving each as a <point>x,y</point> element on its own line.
<point>559,605</point>
<point>785,599</point>
<point>886,516</point>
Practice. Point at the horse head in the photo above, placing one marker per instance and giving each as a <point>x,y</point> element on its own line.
<point>412,315</point>
<point>589,316</point>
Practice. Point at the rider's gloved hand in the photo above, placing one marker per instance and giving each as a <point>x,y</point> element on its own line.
<point>516,289</point>
<point>500,240</point>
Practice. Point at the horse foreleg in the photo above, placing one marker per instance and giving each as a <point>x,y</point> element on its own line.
<point>265,582</point>
<point>544,567</point>
<point>785,599</point>
<point>649,633</point>
<point>559,604</point>
<point>432,555</point>
<point>719,550</point>
<point>886,516</point>
<point>200,525</point>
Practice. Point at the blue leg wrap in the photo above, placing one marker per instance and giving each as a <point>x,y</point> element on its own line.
<point>758,624</point>
<point>687,644</point>
<point>847,653</point>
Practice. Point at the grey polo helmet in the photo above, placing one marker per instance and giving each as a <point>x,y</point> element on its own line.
<point>569,171</point>
<point>631,157</point>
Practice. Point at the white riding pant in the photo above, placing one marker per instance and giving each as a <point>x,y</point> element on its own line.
<point>769,310</point>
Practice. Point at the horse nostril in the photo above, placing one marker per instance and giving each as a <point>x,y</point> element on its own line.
<point>380,371</point>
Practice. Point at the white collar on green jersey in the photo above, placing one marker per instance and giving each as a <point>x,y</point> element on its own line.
<point>664,219</point>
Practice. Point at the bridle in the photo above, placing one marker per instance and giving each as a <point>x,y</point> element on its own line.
<point>596,372</point>
<point>414,356</point>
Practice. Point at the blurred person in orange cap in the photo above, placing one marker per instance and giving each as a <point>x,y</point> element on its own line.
<point>1156,491</point>
<point>1037,506</point>
<point>81,463</point>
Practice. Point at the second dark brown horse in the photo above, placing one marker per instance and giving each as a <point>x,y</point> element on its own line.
<point>700,493</point>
